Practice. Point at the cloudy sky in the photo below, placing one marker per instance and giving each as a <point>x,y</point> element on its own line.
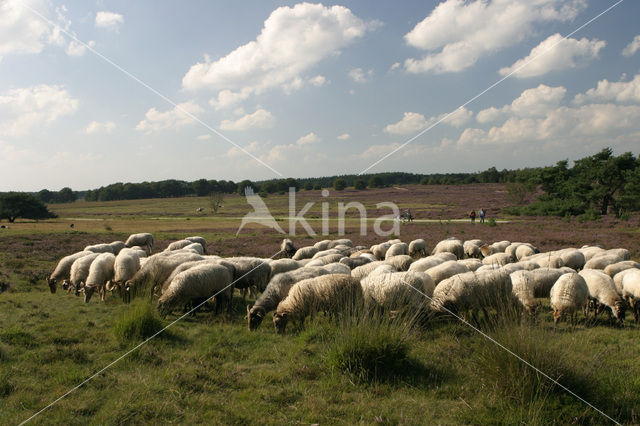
<point>97,92</point>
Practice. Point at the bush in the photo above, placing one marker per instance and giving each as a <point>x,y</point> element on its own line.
<point>492,222</point>
<point>138,323</point>
<point>360,185</point>
<point>339,184</point>
<point>588,216</point>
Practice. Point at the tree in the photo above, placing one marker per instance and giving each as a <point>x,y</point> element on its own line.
<point>317,186</point>
<point>65,195</point>
<point>375,182</point>
<point>339,184</point>
<point>308,186</point>
<point>518,192</point>
<point>245,183</point>
<point>360,185</point>
<point>18,204</point>
<point>215,201</point>
<point>201,187</point>
<point>46,196</point>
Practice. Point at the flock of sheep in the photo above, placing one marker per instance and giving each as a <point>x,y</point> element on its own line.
<point>335,277</point>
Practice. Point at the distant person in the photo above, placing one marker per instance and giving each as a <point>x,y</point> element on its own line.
<point>482,214</point>
<point>472,215</point>
<point>409,216</point>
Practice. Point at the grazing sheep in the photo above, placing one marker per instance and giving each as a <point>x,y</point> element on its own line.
<point>322,245</point>
<point>79,272</point>
<point>342,241</point>
<point>446,270</point>
<point>621,252</point>
<point>397,249</point>
<point>324,253</point>
<point>397,291</point>
<point>487,250</point>
<point>380,250</point>
<point>418,248</point>
<point>425,263</point>
<point>525,265</point>
<point>568,295</point>
<point>572,258</point>
<point>338,268</point>
<point>177,245</point>
<point>116,246</point>
<point>617,279</point>
<point>287,248</point>
<point>615,268</point>
<point>499,259</point>
<point>452,245</point>
<point>546,260</point>
<point>305,253</point>
<point>631,291</point>
<point>332,293</point>
<point>602,261</point>
<point>100,271</point>
<point>590,251</point>
<point>369,256</point>
<point>276,291</point>
<point>283,265</point>
<point>603,292</point>
<point>364,270</point>
<point>126,265</point>
<point>62,272</point>
<point>354,262</point>
<point>199,240</point>
<point>157,269</point>
<point>249,272</point>
<point>401,262</point>
<point>471,264</point>
<point>525,250</point>
<point>200,282</point>
<point>472,249</point>
<point>99,248</point>
<point>143,240</point>
<point>527,285</point>
<point>500,246</point>
<point>194,247</point>
<point>325,260</point>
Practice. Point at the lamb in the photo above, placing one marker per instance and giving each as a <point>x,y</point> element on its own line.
<point>603,292</point>
<point>286,248</point>
<point>354,262</point>
<point>200,282</point>
<point>177,245</point>
<point>100,271</point>
<point>397,291</point>
<point>305,253</point>
<point>401,262</point>
<point>99,248</point>
<point>80,272</point>
<point>63,269</point>
<point>568,295</point>
<point>199,240</point>
<point>116,246</point>
<point>451,246</point>
<point>602,261</point>
<point>418,248</point>
<point>277,289</point>
<point>333,293</point>
<point>615,268</point>
<point>446,270</point>
<point>143,240</point>
<point>397,249</point>
<point>631,291</point>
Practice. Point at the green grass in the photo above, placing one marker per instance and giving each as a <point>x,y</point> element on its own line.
<point>140,322</point>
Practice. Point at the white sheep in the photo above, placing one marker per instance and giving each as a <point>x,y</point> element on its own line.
<point>471,264</point>
<point>418,248</point>
<point>99,248</point>
<point>354,262</point>
<point>446,270</point>
<point>283,265</point>
<point>401,262</point>
<point>499,259</point>
<point>287,248</point>
<point>333,293</point>
<point>197,284</point>
<point>250,272</point>
<point>116,246</point>
<point>397,291</point>
<point>472,249</point>
<point>500,246</point>
<point>525,265</point>
<point>364,270</point>
<point>525,250</point>
<point>546,260</point>
<point>617,279</point>
<point>326,252</point>
<point>157,269</point>
<point>199,240</point>
<point>305,253</point>
<point>380,250</point>
<point>631,291</point>
<point>527,285</point>
<point>616,268</point>
<point>62,271</point>
<point>568,295</point>
<point>322,245</point>
<point>80,271</point>
<point>338,268</point>
<point>277,289</point>
<point>397,249</point>
<point>341,241</point>
<point>100,271</point>
<point>603,292</point>
<point>426,263</point>
<point>590,251</point>
<point>177,245</point>
<point>143,240</point>
<point>451,245</point>
<point>602,261</point>
<point>126,265</point>
<point>572,258</point>
<point>621,252</point>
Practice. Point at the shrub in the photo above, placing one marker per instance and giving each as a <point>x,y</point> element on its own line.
<point>360,185</point>
<point>589,215</point>
<point>492,222</point>
<point>138,323</point>
<point>339,184</point>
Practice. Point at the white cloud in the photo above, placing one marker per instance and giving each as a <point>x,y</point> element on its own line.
<point>261,118</point>
<point>98,127</point>
<point>411,122</point>
<point>309,138</point>
<point>395,66</point>
<point>619,91</point>
<point>555,54</point>
<point>109,20</point>
<point>344,136</point>
<point>531,102</point>
<point>631,48</point>
<point>360,76</point>
<point>76,49</point>
<point>457,33</point>
<point>458,118</point>
<point>318,80</point>
<point>252,148</point>
<point>179,116</point>
<point>227,98</point>
<point>204,137</point>
<point>292,41</point>
<point>25,109</point>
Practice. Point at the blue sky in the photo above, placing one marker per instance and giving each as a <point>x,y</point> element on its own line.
<point>308,89</point>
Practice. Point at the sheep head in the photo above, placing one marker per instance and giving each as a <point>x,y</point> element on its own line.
<point>88,292</point>
<point>280,322</point>
<point>255,316</point>
<point>618,310</point>
<point>52,284</point>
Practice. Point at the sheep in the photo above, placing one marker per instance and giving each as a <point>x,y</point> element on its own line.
<point>525,265</point>
<point>177,245</point>
<point>397,291</point>
<point>126,265</point>
<point>499,259</point>
<point>546,260</point>
<point>346,250</point>
<point>487,250</point>
<point>568,295</point>
<point>500,246</point>
<point>305,253</point>
<point>331,293</point>
<point>631,291</point>
<point>157,269</point>
<point>80,271</point>
<point>471,264</point>
<point>199,240</point>
<point>324,253</point>
<point>471,249</point>
<point>63,269</point>
<point>525,250</point>
<point>451,246</point>
<point>395,241</point>
<point>322,245</point>
<point>283,265</point>
<point>602,291</point>
<point>354,262</point>
<point>617,279</point>
<point>143,240</point>
<point>249,272</point>
<point>601,262</point>
<point>330,258</point>
<point>621,252</point>
<point>276,291</point>
<point>116,246</point>
<point>527,285</point>
<point>338,268</point>
<point>287,248</point>
<point>426,263</point>
<point>590,251</point>
<point>572,258</point>
<point>397,249</point>
<point>369,256</point>
<point>472,291</point>
<point>615,268</point>
<point>99,248</point>
<point>401,262</point>
<point>100,271</point>
<point>418,248</point>
<point>200,282</point>
<point>342,241</point>
<point>364,270</point>
<point>380,250</point>
<point>194,247</point>
<point>446,270</point>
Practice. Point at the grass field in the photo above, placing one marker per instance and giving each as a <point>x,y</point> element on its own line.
<point>213,370</point>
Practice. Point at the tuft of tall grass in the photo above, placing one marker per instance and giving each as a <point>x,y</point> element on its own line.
<point>139,322</point>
